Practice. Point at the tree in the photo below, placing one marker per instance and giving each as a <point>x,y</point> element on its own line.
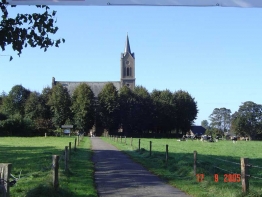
<point>14,103</point>
<point>33,107</point>
<point>220,119</point>
<point>156,109</point>
<point>28,29</point>
<point>142,109</point>
<point>205,124</point>
<point>185,110</point>
<point>108,102</point>
<point>2,96</point>
<point>83,107</point>
<point>163,111</point>
<point>247,121</point>
<point>44,98</point>
<point>127,109</point>
<point>60,103</point>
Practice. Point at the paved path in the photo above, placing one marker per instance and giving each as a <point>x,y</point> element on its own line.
<point>117,175</point>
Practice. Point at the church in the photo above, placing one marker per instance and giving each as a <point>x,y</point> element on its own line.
<point>127,76</point>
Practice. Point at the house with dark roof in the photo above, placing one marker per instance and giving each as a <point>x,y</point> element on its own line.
<point>127,70</point>
<point>197,130</point>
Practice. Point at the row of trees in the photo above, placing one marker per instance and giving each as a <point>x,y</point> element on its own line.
<point>139,111</point>
<point>23,112</point>
<point>247,121</point>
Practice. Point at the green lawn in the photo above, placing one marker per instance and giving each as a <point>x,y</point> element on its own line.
<point>179,169</point>
<point>33,156</point>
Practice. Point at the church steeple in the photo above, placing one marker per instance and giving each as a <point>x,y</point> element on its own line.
<point>127,64</point>
<point>127,48</point>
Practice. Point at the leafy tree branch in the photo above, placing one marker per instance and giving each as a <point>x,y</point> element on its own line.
<point>28,29</point>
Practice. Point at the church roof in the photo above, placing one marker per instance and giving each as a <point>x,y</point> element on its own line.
<point>96,87</point>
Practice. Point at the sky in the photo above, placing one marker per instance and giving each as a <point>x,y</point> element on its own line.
<point>213,53</point>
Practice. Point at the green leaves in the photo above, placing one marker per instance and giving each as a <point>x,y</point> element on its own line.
<point>60,103</point>
<point>83,107</point>
<point>108,111</point>
<point>33,29</point>
<point>248,119</point>
<point>185,110</point>
<point>220,119</point>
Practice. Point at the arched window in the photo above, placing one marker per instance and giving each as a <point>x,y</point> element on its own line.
<point>127,71</point>
<point>130,71</point>
<point>124,72</point>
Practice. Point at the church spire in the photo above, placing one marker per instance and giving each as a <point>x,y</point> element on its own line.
<point>127,48</point>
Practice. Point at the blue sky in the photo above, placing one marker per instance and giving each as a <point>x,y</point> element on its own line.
<point>213,53</point>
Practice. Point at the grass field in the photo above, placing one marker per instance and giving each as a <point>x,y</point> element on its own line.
<point>33,156</point>
<point>210,156</point>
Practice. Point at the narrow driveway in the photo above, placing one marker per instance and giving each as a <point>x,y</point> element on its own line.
<point>117,175</point>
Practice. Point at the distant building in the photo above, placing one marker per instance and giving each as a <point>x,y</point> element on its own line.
<point>127,70</point>
<point>197,130</point>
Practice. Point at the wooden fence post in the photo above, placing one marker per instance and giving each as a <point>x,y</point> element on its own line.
<point>244,175</point>
<point>55,172</point>
<point>5,171</point>
<point>195,162</point>
<point>166,154</point>
<point>75,145</point>
<point>150,147</point>
<point>139,144</point>
<point>69,150</point>
<point>78,140</point>
<point>45,134</point>
<point>131,141</point>
<point>66,158</point>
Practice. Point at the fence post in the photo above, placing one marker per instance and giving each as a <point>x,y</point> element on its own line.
<point>150,148</point>
<point>69,150</point>
<point>78,140</point>
<point>131,142</point>
<point>139,144</point>
<point>166,154</point>
<point>66,158</point>
<point>75,145</point>
<point>55,172</point>
<point>5,171</point>
<point>195,162</point>
<point>244,175</point>
<point>125,139</point>
<point>45,134</point>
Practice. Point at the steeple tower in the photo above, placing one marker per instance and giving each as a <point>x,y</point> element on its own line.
<point>127,47</point>
<point>127,64</point>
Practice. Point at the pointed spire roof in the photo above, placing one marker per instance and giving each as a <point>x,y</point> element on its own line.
<point>127,48</point>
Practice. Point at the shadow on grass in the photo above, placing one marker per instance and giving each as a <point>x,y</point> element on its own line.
<point>48,191</point>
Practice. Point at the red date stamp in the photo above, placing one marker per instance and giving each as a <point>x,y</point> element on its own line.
<point>228,178</point>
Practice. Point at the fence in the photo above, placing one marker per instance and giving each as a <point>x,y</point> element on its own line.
<point>244,166</point>
<point>5,169</point>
